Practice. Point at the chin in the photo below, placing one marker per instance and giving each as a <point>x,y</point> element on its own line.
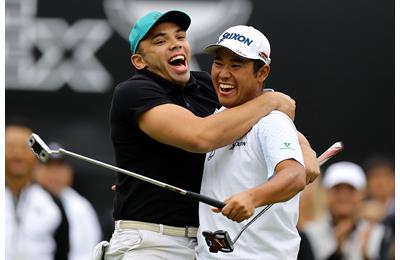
<point>182,79</point>
<point>228,103</point>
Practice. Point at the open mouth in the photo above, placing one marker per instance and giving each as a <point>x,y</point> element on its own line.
<point>177,61</point>
<point>226,87</point>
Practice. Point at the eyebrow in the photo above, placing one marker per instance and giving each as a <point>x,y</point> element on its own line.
<point>162,34</point>
<point>240,60</point>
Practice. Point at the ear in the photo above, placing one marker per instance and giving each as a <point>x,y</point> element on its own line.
<point>138,62</point>
<point>263,73</point>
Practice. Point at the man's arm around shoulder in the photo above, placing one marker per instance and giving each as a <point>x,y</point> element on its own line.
<point>176,126</point>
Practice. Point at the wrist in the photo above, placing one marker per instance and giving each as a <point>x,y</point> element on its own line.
<point>258,201</point>
<point>270,101</point>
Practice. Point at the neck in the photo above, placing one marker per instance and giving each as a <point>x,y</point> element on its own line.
<point>338,219</point>
<point>385,199</point>
<point>258,93</point>
<point>16,184</point>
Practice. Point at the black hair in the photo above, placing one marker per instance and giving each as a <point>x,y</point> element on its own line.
<point>257,65</point>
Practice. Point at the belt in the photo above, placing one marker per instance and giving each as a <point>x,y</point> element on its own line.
<point>159,228</point>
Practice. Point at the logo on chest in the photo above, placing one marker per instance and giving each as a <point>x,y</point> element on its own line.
<point>238,144</point>
<point>211,155</point>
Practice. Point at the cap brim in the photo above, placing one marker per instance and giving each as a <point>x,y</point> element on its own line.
<point>339,182</point>
<point>212,48</point>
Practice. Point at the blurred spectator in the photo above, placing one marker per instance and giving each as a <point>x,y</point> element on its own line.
<point>380,204</point>
<point>312,203</point>
<point>310,209</point>
<point>85,232</point>
<point>381,181</point>
<point>342,234</point>
<point>305,251</point>
<point>35,223</point>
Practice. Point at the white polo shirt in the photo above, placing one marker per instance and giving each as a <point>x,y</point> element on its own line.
<point>247,163</point>
<point>30,224</point>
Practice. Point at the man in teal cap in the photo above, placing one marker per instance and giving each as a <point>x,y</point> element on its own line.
<point>162,124</point>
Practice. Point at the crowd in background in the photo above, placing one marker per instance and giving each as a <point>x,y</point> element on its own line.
<point>45,218</point>
<point>348,213</point>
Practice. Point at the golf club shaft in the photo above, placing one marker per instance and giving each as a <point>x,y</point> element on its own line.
<point>190,194</point>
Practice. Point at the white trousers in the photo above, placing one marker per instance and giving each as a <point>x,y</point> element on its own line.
<point>130,244</point>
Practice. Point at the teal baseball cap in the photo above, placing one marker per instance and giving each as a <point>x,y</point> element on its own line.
<point>147,22</point>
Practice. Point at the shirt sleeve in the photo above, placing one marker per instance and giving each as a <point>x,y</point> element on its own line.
<point>132,98</point>
<point>278,140</point>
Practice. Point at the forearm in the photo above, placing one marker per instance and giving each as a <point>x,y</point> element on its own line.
<point>310,159</point>
<point>290,179</point>
<point>229,125</point>
<point>176,126</point>
<point>282,187</point>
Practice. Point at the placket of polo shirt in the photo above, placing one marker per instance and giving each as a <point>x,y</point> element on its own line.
<point>191,84</point>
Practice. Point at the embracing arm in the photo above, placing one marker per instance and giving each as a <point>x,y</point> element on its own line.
<point>290,179</point>
<point>176,126</point>
<point>310,159</point>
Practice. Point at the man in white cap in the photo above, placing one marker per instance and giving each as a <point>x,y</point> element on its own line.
<point>264,166</point>
<point>342,234</point>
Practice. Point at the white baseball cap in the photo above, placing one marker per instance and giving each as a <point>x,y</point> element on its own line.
<point>245,41</point>
<point>344,172</point>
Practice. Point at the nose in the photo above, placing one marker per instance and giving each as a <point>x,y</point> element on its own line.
<point>224,73</point>
<point>175,44</point>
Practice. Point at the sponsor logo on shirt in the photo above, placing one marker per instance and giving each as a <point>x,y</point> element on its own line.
<point>237,143</point>
<point>287,146</point>
<point>211,155</point>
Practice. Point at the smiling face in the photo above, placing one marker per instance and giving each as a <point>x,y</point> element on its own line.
<point>19,159</point>
<point>381,183</point>
<point>166,52</point>
<point>55,176</point>
<point>234,79</point>
<point>344,201</point>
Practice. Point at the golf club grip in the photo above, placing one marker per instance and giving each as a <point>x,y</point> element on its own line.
<point>205,199</point>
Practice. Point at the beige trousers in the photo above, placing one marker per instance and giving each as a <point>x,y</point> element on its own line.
<point>130,244</point>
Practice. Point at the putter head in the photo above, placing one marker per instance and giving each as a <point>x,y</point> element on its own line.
<point>39,148</point>
<point>218,241</point>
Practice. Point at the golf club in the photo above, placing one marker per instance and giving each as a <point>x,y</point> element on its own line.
<point>220,239</point>
<point>43,152</point>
